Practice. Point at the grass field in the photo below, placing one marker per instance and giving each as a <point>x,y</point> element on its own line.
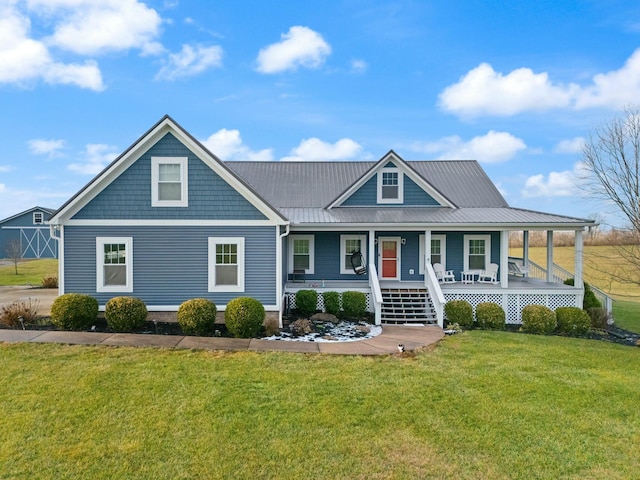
<point>30,272</point>
<point>491,405</point>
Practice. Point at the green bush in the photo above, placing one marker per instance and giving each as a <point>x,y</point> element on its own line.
<point>306,302</point>
<point>354,304</point>
<point>74,311</point>
<point>460,312</point>
<point>572,320</point>
<point>491,316</point>
<point>590,300</point>
<point>197,316</point>
<point>244,316</point>
<point>332,303</point>
<point>538,319</point>
<point>125,314</point>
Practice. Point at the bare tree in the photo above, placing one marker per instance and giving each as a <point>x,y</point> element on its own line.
<point>14,252</point>
<point>611,159</point>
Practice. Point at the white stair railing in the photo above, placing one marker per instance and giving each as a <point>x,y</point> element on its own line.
<point>433,287</point>
<point>376,293</point>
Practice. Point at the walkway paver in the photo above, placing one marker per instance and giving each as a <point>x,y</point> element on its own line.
<point>384,344</point>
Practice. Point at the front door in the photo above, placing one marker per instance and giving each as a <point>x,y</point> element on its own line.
<point>389,258</point>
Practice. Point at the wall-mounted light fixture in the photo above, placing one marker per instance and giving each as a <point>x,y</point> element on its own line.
<point>403,240</point>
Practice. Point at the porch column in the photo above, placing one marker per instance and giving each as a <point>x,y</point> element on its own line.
<point>550,256</point>
<point>504,258</point>
<point>578,253</point>
<point>427,250</point>
<point>372,248</point>
<point>525,249</point>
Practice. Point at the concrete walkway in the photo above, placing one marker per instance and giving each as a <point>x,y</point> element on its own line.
<point>384,344</point>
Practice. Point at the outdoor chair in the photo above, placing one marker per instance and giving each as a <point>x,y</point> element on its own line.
<point>443,276</point>
<point>490,275</point>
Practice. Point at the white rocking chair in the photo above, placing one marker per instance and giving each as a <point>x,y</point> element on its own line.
<point>490,275</point>
<point>443,276</point>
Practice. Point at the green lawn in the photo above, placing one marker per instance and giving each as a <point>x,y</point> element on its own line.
<point>479,405</point>
<point>29,272</point>
<point>627,315</point>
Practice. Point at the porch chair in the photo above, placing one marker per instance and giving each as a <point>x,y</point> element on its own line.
<point>490,275</point>
<point>443,276</point>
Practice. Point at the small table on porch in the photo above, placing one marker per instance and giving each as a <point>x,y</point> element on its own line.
<point>468,277</point>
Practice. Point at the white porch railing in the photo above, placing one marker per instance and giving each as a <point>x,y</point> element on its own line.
<point>376,293</point>
<point>433,287</point>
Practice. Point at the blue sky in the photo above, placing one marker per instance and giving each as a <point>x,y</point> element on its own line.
<point>515,85</point>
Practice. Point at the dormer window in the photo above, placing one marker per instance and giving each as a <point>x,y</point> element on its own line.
<point>390,185</point>
<point>38,218</point>
<point>169,181</point>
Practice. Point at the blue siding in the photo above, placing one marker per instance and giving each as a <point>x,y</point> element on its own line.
<point>367,195</point>
<point>416,196</point>
<point>129,196</point>
<point>35,239</point>
<point>170,263</point>
<point>455,249</point>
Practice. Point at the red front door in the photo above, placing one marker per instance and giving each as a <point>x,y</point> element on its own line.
<point>389,258</point>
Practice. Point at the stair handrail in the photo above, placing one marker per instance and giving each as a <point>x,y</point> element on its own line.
<point>376,293</point>
<point>433,287</point>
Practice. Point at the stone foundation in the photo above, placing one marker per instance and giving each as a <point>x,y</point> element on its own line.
<point>173,316</point>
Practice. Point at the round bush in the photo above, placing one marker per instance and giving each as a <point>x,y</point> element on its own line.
<point>572,320</point>
<point>74,311</point>
<point>491,316</point>
<point>538,319</point>
<point>590,300</point>
<point>354,304</point>
<point>306,302</point>
<point>460,312</point>
<point>244,316</point>
<point>197,316</point>
<point>125,314</point>
<point>332,302</point>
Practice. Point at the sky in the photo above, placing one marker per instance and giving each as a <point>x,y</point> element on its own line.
<point>516,85</point>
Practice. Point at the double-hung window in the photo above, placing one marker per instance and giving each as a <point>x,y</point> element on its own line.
<point>114,264</point>
<point>350,244</point>
<point>390,185</point>
<point>38,218</point>
<point>169,181</point>
<point>226,264</point>
<point>301,253</point>
<point>477,252</point>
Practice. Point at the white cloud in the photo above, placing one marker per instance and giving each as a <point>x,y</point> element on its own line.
<point>46,147</point>
<point>227,145</point>
<point>359,66</point>
<point>190,61</point>
<point>556,184</point>
<point>24,60</point>
<point>570,146</point>
<point>301,46</point>
<point>6,168</point>
<point>483,91</point>
<point>494,147</point>
<point>96,157</point>
<point>314,149</point>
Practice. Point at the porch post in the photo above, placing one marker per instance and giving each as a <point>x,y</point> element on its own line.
<point>372,248</point>
<point>525,249</point>
<point>504,258</point>
<point>427,250</point>
<point>578,253</point>
<point>550,256</point>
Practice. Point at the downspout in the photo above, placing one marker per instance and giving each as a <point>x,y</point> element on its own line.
<point>279,293</point>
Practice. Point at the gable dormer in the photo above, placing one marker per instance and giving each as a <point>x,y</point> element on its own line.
<point>391,182</point>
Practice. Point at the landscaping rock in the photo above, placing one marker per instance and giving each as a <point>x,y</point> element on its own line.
<point>324,317</point>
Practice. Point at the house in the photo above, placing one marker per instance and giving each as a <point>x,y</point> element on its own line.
<point>28,231</point>
<point>168,221</point>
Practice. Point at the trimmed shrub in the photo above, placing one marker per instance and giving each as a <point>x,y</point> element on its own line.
<point>332,303</point>
<point>572,320</point>
<point>125,314</point>
<point>590,300</point>
<point>599,317</point>
<point>50,282</point>
<point>244,316</point>
<point>74,311</point>
<point>306,302</point>
<point>491,316</point>
<point>197,316</point>
<point>460,312</point>
<point>354,304</point>
<point>538,319</point>
<point>11,314</point>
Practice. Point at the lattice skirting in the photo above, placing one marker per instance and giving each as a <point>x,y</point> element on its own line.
<point>513,303</point>
<point>290,301</point>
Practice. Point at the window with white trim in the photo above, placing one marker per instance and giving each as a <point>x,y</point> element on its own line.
<point>38,218</point>
<point>350,244</point>
<point>114,264</point>
<point>169,181</point>
<point>226,264</point>
<point>301,253</point>
<point>390,185</point>
<point>438,251</point>
<point>477,252</point>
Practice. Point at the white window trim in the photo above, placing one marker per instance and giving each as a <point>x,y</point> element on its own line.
<point>400,198</point>
<point>487,252</point>
<point>443,251</point>
<point>184,180</point>
<point>213,241</point>
<point>312,249</point>
<point>343,251</point>
<point>100,286</point>
<point>38,218</point>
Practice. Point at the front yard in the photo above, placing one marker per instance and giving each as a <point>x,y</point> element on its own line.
<point>479,405</point>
